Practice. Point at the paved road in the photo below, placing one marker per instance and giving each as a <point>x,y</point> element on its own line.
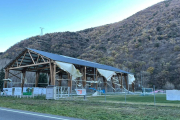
<point>13,114</point>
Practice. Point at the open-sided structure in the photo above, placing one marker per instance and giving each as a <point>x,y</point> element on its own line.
<point>58,65</point>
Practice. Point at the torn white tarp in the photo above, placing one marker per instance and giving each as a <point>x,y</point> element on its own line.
<point>131,78</point>
<point>70,69</point>
<point>106,73</point>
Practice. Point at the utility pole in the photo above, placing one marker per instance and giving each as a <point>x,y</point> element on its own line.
<point>41,30</point>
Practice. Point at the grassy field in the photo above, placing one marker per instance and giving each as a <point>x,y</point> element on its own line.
<point>95,108</point>
<point>160,99</point>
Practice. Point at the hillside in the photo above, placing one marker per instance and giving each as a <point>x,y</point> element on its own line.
<point>147,42</point>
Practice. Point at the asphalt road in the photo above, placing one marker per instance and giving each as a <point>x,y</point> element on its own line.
<point>13,114</point>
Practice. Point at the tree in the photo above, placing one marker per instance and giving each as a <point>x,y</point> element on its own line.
<point>42,79</point>
<point>150,70</point>
<point>2,74</point>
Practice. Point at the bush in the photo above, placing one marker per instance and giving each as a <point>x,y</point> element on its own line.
<point>176,48</point>
<point>169,86</point>
<point>159,37</point>
<point>150,70</point>
<point>156,45</point>
<point>158,28</point>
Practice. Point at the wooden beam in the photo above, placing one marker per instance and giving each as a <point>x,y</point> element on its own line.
<point>38,68</point>
<point>12,63</point>
<point>119,80</point>
<point>28,65</point>
<point>96,79</point>
<point>23,79</point>
<point>43,59</point>
<point>49,75</point>
<point>83,77</point>
<point>15,75</point>
<point>17,63</point>
<point>37,59</point>
<point>84,81</point>
<point>113,85</point>
<point>133,87</point>
<point>51,72</point>
<point>22,58</point>
<point>60,77</point>
<point>39,54</point>
<point>69,81</point>
<point>105,84</point>
<point>54,74</point>
<point>31,57</point>
<point>58,71</point>
<point>6,77</point>
<point>126,82</point>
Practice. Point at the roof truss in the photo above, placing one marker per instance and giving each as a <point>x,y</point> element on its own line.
<point>29,60</point>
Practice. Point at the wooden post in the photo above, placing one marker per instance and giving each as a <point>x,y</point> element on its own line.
<point>6,77</point>
<point>77,83</point>
<point>113,85</point>
<point>49,75</point>
<point>133,87</point>
<point>119,80</point>
<point>105,84</point>
<point>96,79</point>
<point>84,77</point>
<point>60,77</point>
<point>23,78</point>
<point>82,71</point>
<point>70,82</point>
<point>51,72</point>
<point>126,82</point>
<point>91,83</point>
<point>37,78</point>
<point>54,74</point>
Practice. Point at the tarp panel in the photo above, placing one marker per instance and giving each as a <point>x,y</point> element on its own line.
<point>70,69</point>
<point>131,78</point>
<point>106,73</point>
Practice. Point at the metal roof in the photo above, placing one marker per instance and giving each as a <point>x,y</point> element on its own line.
<point>76,61</point>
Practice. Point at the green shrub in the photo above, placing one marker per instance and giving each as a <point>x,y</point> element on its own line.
<point>150,70</point>
<point>156,45</point>
<point>176,48</point>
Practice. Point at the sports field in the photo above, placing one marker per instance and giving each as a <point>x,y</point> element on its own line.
<point>96,108</point>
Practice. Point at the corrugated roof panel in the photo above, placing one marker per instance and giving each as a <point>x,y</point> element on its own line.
<point>76,61</point>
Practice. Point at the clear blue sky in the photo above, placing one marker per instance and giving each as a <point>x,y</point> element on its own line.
<point>21,19</point>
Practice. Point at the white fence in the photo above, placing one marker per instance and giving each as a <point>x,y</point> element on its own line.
<point>17,91</point>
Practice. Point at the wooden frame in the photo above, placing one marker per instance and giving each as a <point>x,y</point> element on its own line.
<point>29,60</point>
<point>15,75</point>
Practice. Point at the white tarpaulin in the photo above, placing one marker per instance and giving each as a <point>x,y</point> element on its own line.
<point>70,69</point>
<point>131,78</point>
<point>172,94</point>
<point>106,73</point>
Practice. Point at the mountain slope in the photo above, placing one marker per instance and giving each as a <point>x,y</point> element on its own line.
<point>147,42</point>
